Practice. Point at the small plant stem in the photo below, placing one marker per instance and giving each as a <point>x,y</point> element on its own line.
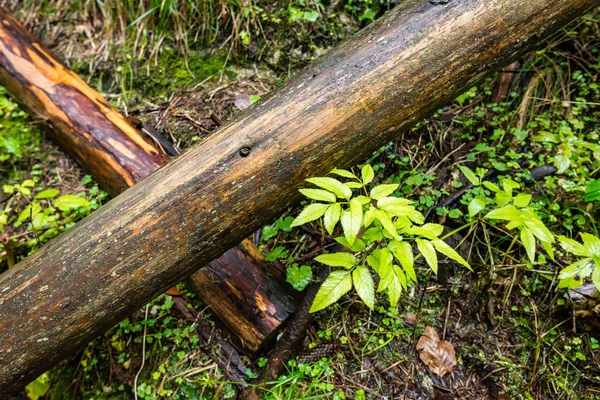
<point>37,238</point>
<point>460,228</point>
<point>508,250</point>
<point>143,355</point>
<point>414,334</point>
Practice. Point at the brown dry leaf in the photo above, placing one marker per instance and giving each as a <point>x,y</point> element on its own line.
<point>173,291</point>
<point>437,355</point>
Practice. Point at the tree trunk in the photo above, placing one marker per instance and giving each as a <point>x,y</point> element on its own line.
<point>333,114</point>
<point>118,156</point>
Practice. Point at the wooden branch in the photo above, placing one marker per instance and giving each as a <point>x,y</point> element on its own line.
<point>249,302</point>
<point>333,114</point>
<point>119,156</point>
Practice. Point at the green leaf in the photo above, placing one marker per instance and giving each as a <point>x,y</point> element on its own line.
<point>548,248</point>
<point>277,253</point>
<point>373,234</point>
<point>426,249</point>
<point>380,260</point>
<point>561,162</point>
<point>400,277</point>
<point>38,387</point>
<point>404,254</point>
<point>508,189</point>
<point>387,224</point>
<point>332,216</point>
<point>369,217</point>
<point>395,206</point>
<point>592,190</point>
<point>470,175</point>
<point>364,285</point>
<point>367,174</point>
<point>333,185</point>
<point>30,211</point>
<point>491,186</point>
<point>538,228</point>
<point>390,202</point>
<point>354,185</point>
<point>319,195</point>
<point>596,278</point>
<point>522,200</point>
<point>299,278</point>
<point>363,200</point>
<point>341,259</point>
<point>69,202</point>
<point>47,194</point>
<point>344,173</point>
<point>503,198</point>
<point>310,213</point>
<point>449,252</point>
<point>573,275</point>
<point>337,284</point>
<point>394,289</point>
<point>352,220</point>
<point>357,246</point>
<point>476,205</point>
<point>573,246</point>
<point>373,259</point>
<point>592,243</point>
<point>508,213</point>
<point>310,16</point>
<point>430,231</point>
<point>285,224</point>
<point>529,243</point>
<point>381,191</point>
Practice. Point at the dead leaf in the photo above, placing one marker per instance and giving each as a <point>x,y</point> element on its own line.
<point>173,291</point>
<point>437,355</point>
<point>242,101</point>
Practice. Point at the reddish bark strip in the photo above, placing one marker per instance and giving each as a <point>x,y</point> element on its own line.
<point>333,114</point>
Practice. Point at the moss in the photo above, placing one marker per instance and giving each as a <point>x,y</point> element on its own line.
<point>173,73</point>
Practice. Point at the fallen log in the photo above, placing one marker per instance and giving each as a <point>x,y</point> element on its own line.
<point>333,114</point>
<point>110,148</point>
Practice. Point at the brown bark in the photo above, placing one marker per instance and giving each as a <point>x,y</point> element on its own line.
<point>333,114</point>
<point>252,305</point>
<point>118,156</point>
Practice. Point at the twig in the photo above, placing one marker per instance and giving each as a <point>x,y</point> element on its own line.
<point>143,355</point>
<point>291,338</point>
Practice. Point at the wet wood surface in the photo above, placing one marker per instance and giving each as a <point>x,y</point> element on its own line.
<point>333,114</point>
<point>111,149</point>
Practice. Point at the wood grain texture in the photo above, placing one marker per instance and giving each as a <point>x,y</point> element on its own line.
<point>119,156</point>
<point>333,114</point>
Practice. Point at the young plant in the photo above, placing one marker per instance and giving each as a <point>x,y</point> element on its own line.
<point>512,207</point>
<point>379,230</point>
<point>573,275</point>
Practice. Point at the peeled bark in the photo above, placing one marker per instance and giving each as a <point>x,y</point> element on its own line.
<point>119,156</point>
<point>333,114</point>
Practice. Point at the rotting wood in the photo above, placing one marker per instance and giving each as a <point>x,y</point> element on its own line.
<point>110,148</point>
<point>333,114</point>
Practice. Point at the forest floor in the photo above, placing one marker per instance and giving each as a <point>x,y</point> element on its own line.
<point>514,332</point>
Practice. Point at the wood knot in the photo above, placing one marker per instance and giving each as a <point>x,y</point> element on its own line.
<point>245,151</point>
